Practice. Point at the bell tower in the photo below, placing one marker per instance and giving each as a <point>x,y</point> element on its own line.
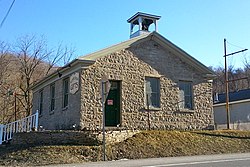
<point>142,21</point>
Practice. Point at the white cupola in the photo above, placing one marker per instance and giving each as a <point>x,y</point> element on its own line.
<point>142,21</point>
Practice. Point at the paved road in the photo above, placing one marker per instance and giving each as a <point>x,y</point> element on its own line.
<point>223,160</point>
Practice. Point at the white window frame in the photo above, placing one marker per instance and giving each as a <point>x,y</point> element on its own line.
<point>65,93</point>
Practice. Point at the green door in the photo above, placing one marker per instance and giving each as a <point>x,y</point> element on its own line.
<point>112,105</point>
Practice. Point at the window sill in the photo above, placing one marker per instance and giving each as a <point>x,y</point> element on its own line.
<point>185,110</point>
<point>153,108</point>
<point>65,108</point>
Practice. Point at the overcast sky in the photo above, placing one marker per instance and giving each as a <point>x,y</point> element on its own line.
<point>196,26</point>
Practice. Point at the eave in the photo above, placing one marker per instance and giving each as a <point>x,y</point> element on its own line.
<point>62,70</point>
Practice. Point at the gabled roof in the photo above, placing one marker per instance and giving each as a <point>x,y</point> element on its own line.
<point>159,39</point>
<point>234,96</point>
<point>89,59</point>
<point>114,48</point>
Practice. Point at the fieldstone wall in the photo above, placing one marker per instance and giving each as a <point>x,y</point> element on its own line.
<point>55,138</point>
<point>131,66</point>
<point>114,136</point>
<point>88,138</point>
<point>61,118</point>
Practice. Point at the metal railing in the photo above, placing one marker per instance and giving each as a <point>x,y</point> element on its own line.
<point>26,124</point>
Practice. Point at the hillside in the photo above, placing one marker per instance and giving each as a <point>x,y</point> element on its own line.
<point>147,144</point>
<point>17,74</point>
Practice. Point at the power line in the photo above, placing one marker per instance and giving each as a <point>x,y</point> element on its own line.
<point>235,45</point>
<point>5,17</point>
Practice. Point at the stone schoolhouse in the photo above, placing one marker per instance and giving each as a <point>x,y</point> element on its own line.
<point>153,82</point>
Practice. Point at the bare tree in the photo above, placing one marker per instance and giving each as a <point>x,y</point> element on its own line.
<point>219,81</point>
<point>239,78</point>
<point>30,54</point>
<point>4,61</point>
<point>62,54</point>
<point>5,85</point>
<point>35,61</point>
<point>247,71</point>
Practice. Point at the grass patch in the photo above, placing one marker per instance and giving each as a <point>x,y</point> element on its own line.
<point>152,144</point>
<point>147,144</point>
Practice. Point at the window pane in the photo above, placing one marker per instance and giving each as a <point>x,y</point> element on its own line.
<point>66,86</point>
<point>52,107</point>
<point>152,91</point>
<point>188,102</point>
<point>114,85</point>
<point>65,92</point>
<point>181,99</point>
<point>65,101</point>
<point>41,102</point>
<point>188,88</point>
<point>154,100</point>
<point>185,95</point>
<point>52,97</point>
<point>148,87</point>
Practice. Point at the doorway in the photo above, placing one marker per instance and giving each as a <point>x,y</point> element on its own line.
<point>112,105</point>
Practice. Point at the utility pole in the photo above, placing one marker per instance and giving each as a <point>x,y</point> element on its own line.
<point>226,86</point>
<point>227,81</point>
<point>105,87</point>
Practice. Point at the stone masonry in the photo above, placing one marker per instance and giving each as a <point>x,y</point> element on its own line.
<point>70,137</point>
<point>61,118</point>
<point>131,66</point>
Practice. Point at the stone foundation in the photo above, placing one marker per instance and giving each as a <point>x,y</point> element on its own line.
<point>87,138</point>
<point>54,138</point>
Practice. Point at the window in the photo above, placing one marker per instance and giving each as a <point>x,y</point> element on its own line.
<point>185,95</point>
<point>152,92</point>
<point>40,102</point>
<point>52,97</point>
<point>65,92</point>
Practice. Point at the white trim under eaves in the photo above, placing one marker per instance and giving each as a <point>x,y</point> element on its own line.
<point>75,65</point>
<point>55,79</point>
<point>233,102</point>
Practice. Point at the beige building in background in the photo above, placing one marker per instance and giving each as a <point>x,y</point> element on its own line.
<point>153,83</point>
<point>239,110</point>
